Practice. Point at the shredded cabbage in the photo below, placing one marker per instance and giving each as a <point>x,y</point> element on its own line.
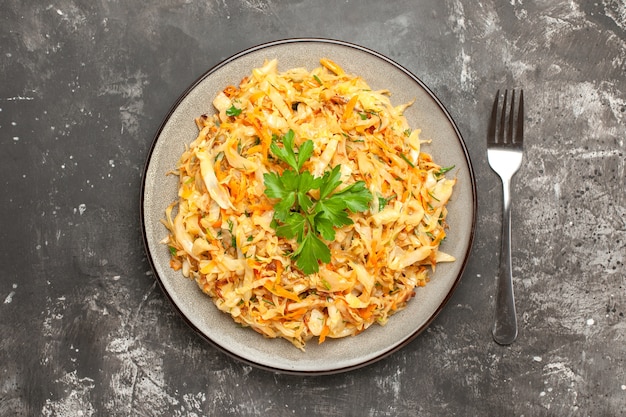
<point>222,236</point>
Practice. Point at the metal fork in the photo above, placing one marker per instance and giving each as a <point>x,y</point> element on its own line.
<point>504,151</point>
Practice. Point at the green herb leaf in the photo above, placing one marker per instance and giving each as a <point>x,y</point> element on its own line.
<point>356,197</point>
<point>331,180</point>
<point>325,228</point>
<point>407,160</point>
<point>233,111</point>
<point>307,182</point>
<point>382,202</point>
<point>310,252</point>
<point>304,153</point>
<point>430,193</point>
<point>334,210</point>
<point>274,187</point>
<point>284,154</point>
<point>442,171</point>
<point>283,207</point>
<point>294,226</point>
<point>290,180</point>
<point>233,239</point>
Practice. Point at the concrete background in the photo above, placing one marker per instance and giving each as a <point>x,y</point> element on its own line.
<point>87,331</point>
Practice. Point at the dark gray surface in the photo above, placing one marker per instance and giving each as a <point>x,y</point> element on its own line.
<point>86,329</point>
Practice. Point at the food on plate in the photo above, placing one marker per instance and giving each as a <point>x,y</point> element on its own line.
<point>306,206</point>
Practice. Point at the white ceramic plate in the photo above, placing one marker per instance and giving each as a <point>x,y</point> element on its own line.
<point>159,190</point>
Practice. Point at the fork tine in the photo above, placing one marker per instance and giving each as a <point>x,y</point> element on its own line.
<point>491,132</point>
<point>502,120</point>
<point>519,132</point>
<point>509,137</point>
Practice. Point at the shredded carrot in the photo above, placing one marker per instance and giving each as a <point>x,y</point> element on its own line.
<point>255,149</point>
<point>296,314</point>
<point>175,264</point>
<point>367,312</point>
<point>241,191</point>
<point>332,66</point>
<point>254,97</point>
<point>280,291</point>
<point>325,331</point>
<point>219,173</point>
<point>231,90</point>
<point>349,107</point>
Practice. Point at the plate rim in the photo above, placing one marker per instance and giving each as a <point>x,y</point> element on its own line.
<point>413,77</point>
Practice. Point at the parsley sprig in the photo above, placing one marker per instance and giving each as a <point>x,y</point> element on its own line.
<point>299,214</point>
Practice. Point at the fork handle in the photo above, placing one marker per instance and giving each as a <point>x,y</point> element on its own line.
<point>505,323</point>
